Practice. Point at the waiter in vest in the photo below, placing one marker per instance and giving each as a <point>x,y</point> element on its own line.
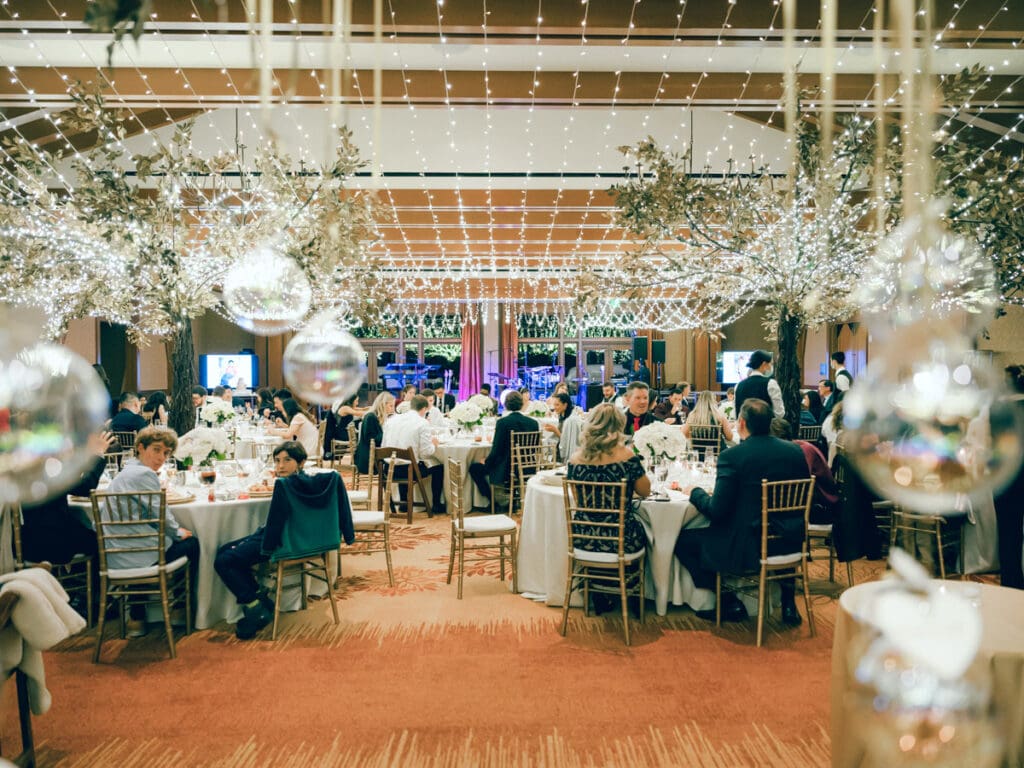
<point>759,384</point>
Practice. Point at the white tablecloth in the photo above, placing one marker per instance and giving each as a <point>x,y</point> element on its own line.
<point>543,546</point>
<point>468,452</point>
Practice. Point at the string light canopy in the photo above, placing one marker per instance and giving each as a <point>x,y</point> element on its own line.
<point>499,140</point>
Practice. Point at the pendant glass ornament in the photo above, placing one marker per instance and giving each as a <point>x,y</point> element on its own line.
<point>266,292</point>
<point>924,271</point>
<point>51,402</point>
<point>324,363</point>
<point>929,425</point>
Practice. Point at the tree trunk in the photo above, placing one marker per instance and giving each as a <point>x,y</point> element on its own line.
<point>181,353</point>
<point>787,368</point>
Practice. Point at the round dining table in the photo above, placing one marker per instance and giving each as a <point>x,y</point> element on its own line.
<point>542,560</point>
<point>468,451</point>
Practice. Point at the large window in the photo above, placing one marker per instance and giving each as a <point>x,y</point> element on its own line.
<point>435,342</point>
<point>550,348</point>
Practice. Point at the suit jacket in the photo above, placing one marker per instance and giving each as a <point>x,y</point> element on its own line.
<point>647,418</point>
<point>498,460</point>
<point>734,509</point>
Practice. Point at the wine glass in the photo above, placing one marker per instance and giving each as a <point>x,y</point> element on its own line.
<point>207,475</point>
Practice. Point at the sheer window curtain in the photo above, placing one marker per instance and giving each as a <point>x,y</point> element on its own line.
<point>471,370</point>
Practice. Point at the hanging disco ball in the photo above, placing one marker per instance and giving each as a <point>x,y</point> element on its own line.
<point>266,292</point>
<point>51,402</point>
<point>324,363</point>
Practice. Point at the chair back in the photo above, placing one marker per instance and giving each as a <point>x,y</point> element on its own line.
<point>129,522</point>
<point>705,438</point>
<point>453,490</point>
<point>809,432</point>
<point>384,460</point>
<point>527,460</point>
<point>14,510</point>
<point>315,531</point>
<point>595,513</point>
<point>784,498</point>
<point>353,437</point>
<point>125,442</point>
<point>321,436</point>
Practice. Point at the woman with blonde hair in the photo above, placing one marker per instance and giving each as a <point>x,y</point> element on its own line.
<point>707,414</point>
<point>372,428</point>
<point>603,457</point>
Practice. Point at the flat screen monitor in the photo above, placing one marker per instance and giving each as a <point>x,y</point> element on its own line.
<point>237,371</point>
<point>732,366</point>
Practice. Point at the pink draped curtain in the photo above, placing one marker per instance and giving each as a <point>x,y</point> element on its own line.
<point>471,370</point>
<point>509,345</point>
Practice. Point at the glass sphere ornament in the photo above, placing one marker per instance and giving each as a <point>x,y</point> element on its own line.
<point>51,403</point>
<point>324,363</point>
<point>929,425</point>
<point>925,271</point>
<point>266,292</point>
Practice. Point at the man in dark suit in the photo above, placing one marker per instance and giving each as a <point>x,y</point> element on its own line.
<point>827,391</point>
<point>445,400</point>
<point>128,418</point>
<point>638,407</point>
<point>495,468</point>
<point>733,540</point>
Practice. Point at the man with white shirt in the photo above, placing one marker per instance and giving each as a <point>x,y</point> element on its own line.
<point>760,385</point>
<point>843,378</point>
<point>412,430</point>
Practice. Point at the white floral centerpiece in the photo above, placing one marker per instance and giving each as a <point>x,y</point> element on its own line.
<point>216,412</point>
<point>659,442</point>
<point>483,403</point>
<point>536,408</point>
<point>467,415</point>
<point>201,446</point>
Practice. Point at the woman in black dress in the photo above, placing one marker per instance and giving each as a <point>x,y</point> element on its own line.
<point>603,457</point>
<point>372,428</point>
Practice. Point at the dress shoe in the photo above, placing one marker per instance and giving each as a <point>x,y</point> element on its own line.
<point>135,628</point>
<point>732,610</point>
<point>790,616</point>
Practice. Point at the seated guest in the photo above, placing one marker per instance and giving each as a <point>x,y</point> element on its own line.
<point>638,400</point>
<point>824,506</point>
<point>732,543</point>
<point>407,393</point>
<point>264,402</point>
<point>199,395</point>
<point>277,416</point>
<point>810,409</point>
<point>826,391</point>
<point>603,458</point>
<point>50,530</point>
<point>494,470</point>
<point>434,416</point>
<point>706,414</point>
<point>608,393</point>
<point>294,492</point>
<point>228,395</point>
<point>445,400</point>
<point>155,409</point>
<point>300,427</point>
<point>341,414</point>
<point>128,418</point>
<point>569,427</point>
<point>672,410</point>
<point>728,406</point>
<point>411,430</point>
<point>372,429</point>
<point>153,446</point>
<point>560,388</point>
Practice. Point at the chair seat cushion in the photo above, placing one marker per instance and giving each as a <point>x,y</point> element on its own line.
<point>792,559</point>
<point>487,524</point>
<point>586,556</point>
<point>819,528</point>
<point>147,572</point>
<point>368,518</point>
<point>354,496</point>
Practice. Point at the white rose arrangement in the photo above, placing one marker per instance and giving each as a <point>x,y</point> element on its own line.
<point>659,441</point>
<point>537,409</point>
<point>466,414</point>
<point>216,412</point>
<point>483,403</point>
<point>201,445</point>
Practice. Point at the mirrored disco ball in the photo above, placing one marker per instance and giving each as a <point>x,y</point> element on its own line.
<point>266,292</point>
<point>925,271</point>
<point>929,426</point>
<point>51,401</point>
<point>324,363</point>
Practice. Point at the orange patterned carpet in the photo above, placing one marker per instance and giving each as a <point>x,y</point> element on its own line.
<point>415,677</point>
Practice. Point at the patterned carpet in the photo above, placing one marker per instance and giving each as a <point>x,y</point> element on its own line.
<point>415,677</point>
